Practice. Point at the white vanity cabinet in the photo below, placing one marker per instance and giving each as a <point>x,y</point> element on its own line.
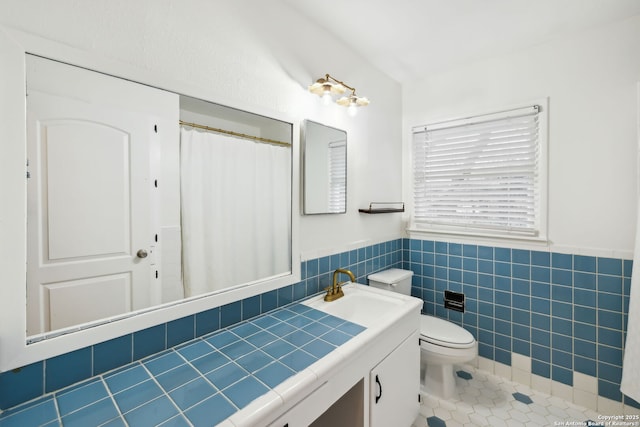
<point>394,386</point>
<point>372,380</point>
<point>392,394</point>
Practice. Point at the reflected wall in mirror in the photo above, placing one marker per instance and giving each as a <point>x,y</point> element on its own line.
<point>129,208</point>
<point>325,169</point>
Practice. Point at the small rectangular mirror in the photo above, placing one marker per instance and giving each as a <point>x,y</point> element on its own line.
<point>325,169</point>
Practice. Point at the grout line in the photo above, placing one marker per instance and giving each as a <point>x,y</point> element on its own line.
<point>113,400</point>
<point>153,378</point>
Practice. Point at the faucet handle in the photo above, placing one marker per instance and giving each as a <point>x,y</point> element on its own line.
<point>333,293</point>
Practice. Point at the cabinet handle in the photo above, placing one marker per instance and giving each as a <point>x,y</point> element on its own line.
<point>380,387</point>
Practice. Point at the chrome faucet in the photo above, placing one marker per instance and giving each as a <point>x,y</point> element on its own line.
<point>335,290</point>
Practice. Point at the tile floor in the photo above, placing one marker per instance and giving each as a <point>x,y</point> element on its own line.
<point>483,399</point>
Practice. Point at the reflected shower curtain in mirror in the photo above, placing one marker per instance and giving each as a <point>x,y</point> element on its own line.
<point>236,207</point>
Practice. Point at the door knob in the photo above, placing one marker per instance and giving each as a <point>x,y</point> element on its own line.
<point>141,253</point>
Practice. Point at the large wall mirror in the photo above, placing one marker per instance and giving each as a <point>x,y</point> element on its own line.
<point>128,202</point>
<point>325,169</point>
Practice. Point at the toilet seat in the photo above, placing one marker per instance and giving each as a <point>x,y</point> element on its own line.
<point>444,333</point>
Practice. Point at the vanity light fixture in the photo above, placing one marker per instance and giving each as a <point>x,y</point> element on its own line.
<point>328,86</point>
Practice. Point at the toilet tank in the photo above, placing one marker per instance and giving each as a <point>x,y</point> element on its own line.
<point>393,279</point>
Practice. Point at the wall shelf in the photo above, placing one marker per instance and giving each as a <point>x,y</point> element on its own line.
<point>383,207</point>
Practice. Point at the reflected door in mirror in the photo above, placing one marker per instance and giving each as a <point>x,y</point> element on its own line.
<point>89,198</point>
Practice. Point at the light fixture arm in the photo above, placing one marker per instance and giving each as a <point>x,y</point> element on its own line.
<point>329,77</point>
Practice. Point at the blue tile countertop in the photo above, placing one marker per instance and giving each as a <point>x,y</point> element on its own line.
<point>199,383</point>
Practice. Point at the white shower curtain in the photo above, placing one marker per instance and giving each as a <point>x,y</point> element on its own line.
<point>236,210</point>
<point>630,384</point>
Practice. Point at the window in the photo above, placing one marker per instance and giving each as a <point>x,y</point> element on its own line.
<point>337,176</point>
<point>482,175</point>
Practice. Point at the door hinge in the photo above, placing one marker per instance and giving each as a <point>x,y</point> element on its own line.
<point>156,274</point>
<point>155,128</point>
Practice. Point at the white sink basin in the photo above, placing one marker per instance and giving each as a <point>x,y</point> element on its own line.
<point>360,304</point>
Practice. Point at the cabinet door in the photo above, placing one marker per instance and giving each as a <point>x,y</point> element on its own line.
<point>395,385</point>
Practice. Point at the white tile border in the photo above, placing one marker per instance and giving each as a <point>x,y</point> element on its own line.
<point>584,391</point>
<point>562,391</point>
<point>585,383</point>
<point>584,398</point>
<point>541,384</point>
<point>521,377</point>
<point>520,362</point>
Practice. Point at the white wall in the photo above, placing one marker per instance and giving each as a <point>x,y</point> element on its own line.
<point>229,48</point>
<point>254,55</point>
<point>590,79</point>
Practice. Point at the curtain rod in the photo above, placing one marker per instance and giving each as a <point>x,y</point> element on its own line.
<point>229,132</point>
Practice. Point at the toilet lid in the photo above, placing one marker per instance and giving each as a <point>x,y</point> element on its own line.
<point>444,333</point>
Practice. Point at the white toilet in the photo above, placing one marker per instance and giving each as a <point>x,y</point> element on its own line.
<point>442,343</point>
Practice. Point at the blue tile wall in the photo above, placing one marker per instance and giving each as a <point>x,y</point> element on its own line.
<point>37,379</point>
<point>567,312</point>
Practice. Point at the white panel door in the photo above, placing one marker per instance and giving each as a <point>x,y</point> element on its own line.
<point>85,167</point>
<point>89,195</point>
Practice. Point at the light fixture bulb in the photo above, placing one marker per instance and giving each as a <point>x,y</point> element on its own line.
<point>326,97</point>
<point>352,109</point>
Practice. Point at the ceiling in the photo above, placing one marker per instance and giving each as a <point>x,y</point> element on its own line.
<point>407,39</point>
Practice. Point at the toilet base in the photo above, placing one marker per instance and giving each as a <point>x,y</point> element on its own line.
<point>439,380</point>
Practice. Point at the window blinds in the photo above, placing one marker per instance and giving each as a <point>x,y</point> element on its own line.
<point>480,173</point>
<point>337,176</point>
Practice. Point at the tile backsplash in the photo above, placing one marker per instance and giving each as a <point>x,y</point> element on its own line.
<point>568,313</point>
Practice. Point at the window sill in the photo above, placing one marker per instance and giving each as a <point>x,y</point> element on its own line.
<point>474,237</point>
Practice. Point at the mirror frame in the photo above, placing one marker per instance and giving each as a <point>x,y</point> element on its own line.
<point>14,350</point>
<point>303,170</point>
